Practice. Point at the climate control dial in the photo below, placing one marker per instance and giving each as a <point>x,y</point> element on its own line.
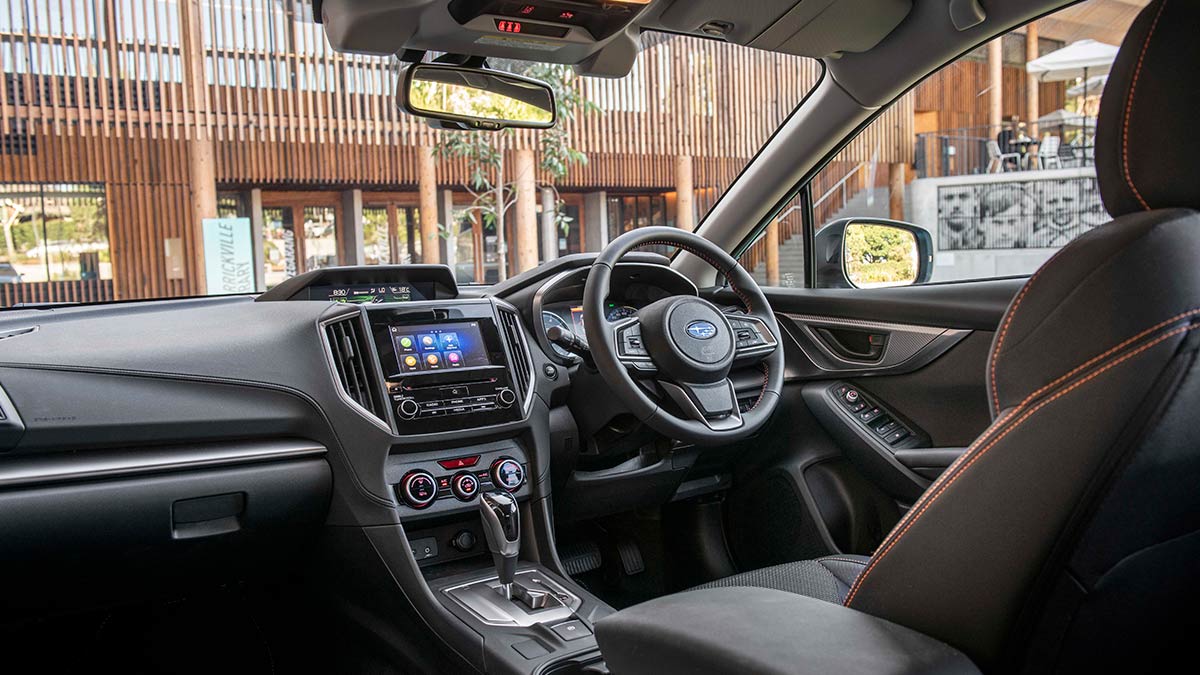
<point>464,486</point>
<point>418,489</point>
<point>507,474</point>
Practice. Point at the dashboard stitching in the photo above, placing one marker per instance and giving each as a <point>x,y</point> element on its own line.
<point>184,377</point>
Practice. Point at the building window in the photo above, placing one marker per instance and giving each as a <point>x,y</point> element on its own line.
<point>630,212</point>
<point>54,232</point>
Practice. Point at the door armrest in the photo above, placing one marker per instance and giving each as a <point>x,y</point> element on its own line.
<point>757,630</point>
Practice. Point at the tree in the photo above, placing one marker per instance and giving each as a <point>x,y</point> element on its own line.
<point>879,255</point>
<point>491,192</point>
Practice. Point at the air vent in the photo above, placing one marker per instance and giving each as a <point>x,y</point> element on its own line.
<point>514,337</point>
<point>348,347</point>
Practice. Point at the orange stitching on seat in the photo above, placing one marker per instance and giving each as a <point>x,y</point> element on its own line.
<point>1100,357</point>
<point>1129,110</point>
<point>999,423</point>
<point>959,472</point>
<point>1004,329</point>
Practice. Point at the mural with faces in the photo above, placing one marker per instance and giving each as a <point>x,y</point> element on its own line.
<point>1046,213</point>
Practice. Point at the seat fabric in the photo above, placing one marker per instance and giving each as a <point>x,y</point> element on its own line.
<point>826,579</point>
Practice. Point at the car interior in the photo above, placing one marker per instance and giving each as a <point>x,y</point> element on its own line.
<point>642,460</point>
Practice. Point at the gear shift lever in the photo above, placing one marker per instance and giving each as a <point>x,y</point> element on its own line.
<point>502,527</point>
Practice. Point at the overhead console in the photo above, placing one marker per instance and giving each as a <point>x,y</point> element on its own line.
<point>600,37</point>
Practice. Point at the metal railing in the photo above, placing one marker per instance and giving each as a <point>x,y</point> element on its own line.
<point>964,151</point>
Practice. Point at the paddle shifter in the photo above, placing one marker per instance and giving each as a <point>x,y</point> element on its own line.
<point>502,527</point>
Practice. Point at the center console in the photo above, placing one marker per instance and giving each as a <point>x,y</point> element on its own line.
<point>452,390</point>
<point>463,370</point>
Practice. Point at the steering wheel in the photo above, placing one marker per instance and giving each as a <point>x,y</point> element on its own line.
<point>683,347</point>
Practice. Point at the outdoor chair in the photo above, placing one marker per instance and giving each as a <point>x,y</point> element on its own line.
<point>1048,153</point>
<point>998,161</point>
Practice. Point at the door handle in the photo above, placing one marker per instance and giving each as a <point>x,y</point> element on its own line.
<point>856,345</point>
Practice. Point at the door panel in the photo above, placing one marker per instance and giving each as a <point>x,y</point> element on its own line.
<point>925,372</point>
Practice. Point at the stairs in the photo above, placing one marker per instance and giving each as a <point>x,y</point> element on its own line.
<point>872,202</point>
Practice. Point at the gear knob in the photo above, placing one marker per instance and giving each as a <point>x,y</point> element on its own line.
<point>502,527</point>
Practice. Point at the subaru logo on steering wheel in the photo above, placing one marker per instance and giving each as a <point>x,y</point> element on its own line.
<point>702,330</point>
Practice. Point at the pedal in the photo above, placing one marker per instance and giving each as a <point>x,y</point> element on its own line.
<point>580,557</point>
<point>631,557</point>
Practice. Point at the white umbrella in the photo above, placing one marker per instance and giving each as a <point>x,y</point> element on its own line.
<point>1092,87</point>
<point>1065,118</point>
<point>1076,60</point>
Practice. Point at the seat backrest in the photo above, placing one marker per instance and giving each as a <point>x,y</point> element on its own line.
<point>993,149</point>
<point>1049,147</point>
<point>1067,537</point>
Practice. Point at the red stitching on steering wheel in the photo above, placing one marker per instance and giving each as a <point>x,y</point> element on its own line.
<point>715,265</point>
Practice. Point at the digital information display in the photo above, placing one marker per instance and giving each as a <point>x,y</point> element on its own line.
<point>370,295</point>
<point>447,346</point>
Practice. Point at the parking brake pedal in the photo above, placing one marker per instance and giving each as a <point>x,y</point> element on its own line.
<point>580,557</point>
<point>631,557</point>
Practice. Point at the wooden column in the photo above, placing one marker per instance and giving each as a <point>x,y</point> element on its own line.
<point>995,66</point>
<point>896,191</point>
<point>257,227</point>
<point>685,187</point>
<point>201,156</point>
<point>773,253</point>
<point>550,225</point>
<point>350,230</point>
<point>1031,83</point>
<point>395,253</point>
<point>431,252</point>
<point>525,175</point>
<point>450,241</point>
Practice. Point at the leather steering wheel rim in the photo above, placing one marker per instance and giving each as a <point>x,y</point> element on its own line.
<point>603,340</point>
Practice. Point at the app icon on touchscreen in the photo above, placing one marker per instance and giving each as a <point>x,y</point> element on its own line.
<point>411,363</point>
<point>429,343</point>
<point>407,343</point>
<point>454,359</point>
<point>433,360</point>
<point>450,341</point>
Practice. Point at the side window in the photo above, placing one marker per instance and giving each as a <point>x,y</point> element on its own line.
<point>983,170</point>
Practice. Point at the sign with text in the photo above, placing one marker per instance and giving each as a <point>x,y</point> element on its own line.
<point>228,256</point>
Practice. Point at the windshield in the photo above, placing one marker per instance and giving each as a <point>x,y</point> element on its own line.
<point>159,148</point>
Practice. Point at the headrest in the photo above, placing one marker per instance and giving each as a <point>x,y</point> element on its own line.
<point>1147,137</point>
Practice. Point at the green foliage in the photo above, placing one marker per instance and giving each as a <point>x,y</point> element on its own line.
<point>878,255</point>
<point>483,150</point>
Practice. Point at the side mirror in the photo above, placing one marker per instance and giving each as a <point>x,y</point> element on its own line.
<point>872,253</point>
<point>463,97</point>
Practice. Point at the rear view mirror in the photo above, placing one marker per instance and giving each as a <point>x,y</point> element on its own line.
<point>872,253</point>
<point>461,97</point>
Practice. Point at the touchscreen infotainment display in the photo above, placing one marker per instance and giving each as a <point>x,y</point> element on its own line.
<point>437,347</point>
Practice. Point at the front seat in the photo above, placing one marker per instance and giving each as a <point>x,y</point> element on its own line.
<point>1068,534</point>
